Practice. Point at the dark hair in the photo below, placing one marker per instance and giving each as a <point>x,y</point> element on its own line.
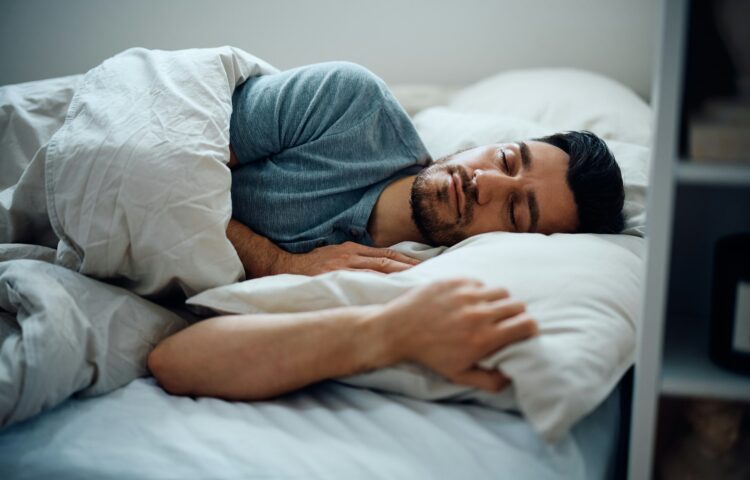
<point>595,179</point>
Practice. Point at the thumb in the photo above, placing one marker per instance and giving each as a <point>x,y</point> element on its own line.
<point>490,380</point>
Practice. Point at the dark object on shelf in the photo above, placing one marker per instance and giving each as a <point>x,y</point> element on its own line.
<point>719,130</point>
<point>730,303</point>
<point>712,447</point>
<point>731,17</point>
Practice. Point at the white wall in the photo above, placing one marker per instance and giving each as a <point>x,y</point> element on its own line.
<point>420,41</point>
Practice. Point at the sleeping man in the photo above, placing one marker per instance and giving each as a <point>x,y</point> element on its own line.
<point>328,171</point>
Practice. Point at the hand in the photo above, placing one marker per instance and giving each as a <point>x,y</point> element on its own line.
<point>347,256</point>
<point>449,326</point>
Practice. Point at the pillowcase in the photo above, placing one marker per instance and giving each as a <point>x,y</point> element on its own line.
<point>583,290</point>
<point>444,131</point>
<point>562,99</point>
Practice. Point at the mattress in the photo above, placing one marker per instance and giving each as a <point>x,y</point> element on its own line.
<point>327,431</point>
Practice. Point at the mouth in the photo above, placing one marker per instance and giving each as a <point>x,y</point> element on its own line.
<point>458,192</point>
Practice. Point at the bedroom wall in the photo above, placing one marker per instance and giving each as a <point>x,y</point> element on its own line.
<point>419,41</point>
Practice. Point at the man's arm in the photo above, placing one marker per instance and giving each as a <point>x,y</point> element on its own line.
<point>233,162</point>
<point>250,357</point>
<point>261,257</point>
<point>447,326</point>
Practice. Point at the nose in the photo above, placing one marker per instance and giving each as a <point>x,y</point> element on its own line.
<point>492,184</point>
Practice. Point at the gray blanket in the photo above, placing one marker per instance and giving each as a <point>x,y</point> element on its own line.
<point>118,175</point>
<point>62,333</point>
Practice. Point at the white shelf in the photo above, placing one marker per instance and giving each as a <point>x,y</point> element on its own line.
<point>673,353</point>
<point>687,369</point>
<point>692,173</point>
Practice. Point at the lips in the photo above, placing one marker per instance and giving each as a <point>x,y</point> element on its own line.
<point>459,193</point>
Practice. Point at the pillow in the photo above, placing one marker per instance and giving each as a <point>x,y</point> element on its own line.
<point>562,99</point>
<point>444,131</point>
<point>583,290</point>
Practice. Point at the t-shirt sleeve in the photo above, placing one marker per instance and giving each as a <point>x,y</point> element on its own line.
<point>273,113</point>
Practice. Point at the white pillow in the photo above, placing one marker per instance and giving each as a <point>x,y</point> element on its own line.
<point>562,99</point>
<point>583,290</point>
<point>444,131</point>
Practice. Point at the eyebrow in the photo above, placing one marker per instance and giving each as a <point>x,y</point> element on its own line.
<point>533,211</point>
<point>525,155</point>
<point>530,196</point>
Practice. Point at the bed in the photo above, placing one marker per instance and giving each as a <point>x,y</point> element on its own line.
<point>326,431</point>
<point>329,430</point>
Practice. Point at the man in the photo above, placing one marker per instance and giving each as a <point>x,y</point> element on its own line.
<point>328,171</point>
<point>324,154</point>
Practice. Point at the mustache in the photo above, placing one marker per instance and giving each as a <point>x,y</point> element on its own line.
<point>469,189</point>
<point>428,200</point>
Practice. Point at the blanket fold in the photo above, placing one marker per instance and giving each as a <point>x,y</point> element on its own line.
<point>137,186</point>
<point>130,173</point>
<point>62,333</point>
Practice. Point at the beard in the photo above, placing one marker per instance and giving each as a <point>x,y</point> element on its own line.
<point>428,200</point>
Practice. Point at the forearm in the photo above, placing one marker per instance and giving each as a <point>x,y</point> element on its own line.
<point>259,255</point>
<point>253,357</point>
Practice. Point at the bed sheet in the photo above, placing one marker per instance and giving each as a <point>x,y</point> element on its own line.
<point>327,431</point>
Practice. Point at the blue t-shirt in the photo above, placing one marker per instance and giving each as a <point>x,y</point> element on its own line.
<point>316,146</point>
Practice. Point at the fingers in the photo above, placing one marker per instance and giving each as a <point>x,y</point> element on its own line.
<point>472,290</point>
<point>381,264</point>
<point>488,380</point>
<point>492,294</point>
<point>364,270</point>
<point>502,308</point>
<point>455,283</point>
<point>514,329</point>
<point>366,251</point>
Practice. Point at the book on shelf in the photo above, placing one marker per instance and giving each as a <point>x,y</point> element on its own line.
<point>720,132</point>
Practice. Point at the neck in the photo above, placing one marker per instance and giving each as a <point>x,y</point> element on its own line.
<point>390,221</point>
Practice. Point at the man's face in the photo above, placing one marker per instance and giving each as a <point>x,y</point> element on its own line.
<point>505,187</point>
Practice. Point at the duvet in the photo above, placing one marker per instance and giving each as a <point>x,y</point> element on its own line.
<point>120,177</point>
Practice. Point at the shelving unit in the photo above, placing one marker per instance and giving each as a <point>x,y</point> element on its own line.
<point>690,206</point>
<point>687,370</point>
<point>712,174</point>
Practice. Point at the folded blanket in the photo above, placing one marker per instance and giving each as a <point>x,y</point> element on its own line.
<point>136,179</point>
<point>136,188</point>
<point>62,333</point>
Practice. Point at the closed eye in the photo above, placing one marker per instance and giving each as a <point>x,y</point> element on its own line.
<point>505,162</point>
<point>512,212</point>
